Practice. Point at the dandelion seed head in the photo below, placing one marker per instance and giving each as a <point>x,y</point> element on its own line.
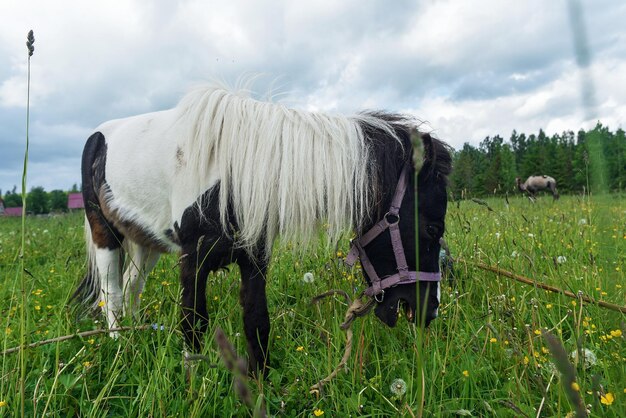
<point>308,277</point>
<point>398,387</point>
<point>589,358</point>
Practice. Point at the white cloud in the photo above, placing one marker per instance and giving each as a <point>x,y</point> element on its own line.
<point>471,69</point>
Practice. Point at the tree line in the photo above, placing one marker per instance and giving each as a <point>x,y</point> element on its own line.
<point>593,160</point>
<point>39,201</point>
<point>579,161</point>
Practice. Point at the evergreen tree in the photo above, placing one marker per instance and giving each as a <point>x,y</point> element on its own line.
<point>466,179</point>
<point>508,171</point>
<point>575,160</point>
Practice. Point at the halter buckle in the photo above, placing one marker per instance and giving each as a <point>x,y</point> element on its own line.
<point>395,217</point>
<point>381,295</point>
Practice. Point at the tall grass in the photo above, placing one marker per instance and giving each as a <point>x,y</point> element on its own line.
<point>484,356</point>
<point>30,40</point>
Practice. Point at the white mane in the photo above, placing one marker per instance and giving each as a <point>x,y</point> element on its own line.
<point>284,170</point>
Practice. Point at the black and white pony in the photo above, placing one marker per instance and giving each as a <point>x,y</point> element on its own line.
<point>219,177</point>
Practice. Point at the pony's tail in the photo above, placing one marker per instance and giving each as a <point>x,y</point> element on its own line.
<point>87,294</point>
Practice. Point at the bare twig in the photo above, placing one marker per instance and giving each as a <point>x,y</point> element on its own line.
<point>543,286</point>
<point>514,407</point>
<point>78,334</point>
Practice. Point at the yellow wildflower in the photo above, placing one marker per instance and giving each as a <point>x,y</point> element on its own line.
<point>616,333</point>
<point>300,348</point>
<point>3,403</point>
<point>537,332</point>
<point>87,364</point>
<point>607,399</point>
<point>318,412</point>
<point>101,303</point>
<point>91,341</point>
<point>526,360</point>
<point>37,307</point>
<point>466,374</point>
<point>493,340</point>
<point>549,306</point>
<point>576,386</point>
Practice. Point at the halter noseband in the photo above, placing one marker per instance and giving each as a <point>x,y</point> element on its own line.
<point>390,221</point>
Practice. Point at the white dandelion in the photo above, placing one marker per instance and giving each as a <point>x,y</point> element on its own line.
<point>308,277</point>
<point>398,387</point>
<point>588,358</point>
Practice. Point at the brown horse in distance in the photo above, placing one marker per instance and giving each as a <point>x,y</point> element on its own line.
<point>534,184</point>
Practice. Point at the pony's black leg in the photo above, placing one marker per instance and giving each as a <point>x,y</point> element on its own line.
<point>256,320</point>
<point>195,318</point>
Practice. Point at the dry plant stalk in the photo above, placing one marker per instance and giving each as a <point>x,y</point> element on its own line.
<point>568,373</point>
<point>78,334</point>
<point>237,366</point>
<point>549,288</point>
<point>356,309</point>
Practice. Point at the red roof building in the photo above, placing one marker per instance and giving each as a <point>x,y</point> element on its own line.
<point>75,201</point>
<point>13,211</point>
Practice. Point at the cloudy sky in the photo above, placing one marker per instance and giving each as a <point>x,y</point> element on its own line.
<point>469,69</point>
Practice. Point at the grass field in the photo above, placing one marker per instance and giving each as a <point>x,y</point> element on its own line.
<point>484,356</point>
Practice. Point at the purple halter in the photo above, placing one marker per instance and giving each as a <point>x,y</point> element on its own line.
<point>390,221</point>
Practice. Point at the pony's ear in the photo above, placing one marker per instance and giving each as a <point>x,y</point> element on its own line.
<point>418,141</point>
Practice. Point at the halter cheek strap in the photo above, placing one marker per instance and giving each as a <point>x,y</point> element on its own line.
<point>390,221</point>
